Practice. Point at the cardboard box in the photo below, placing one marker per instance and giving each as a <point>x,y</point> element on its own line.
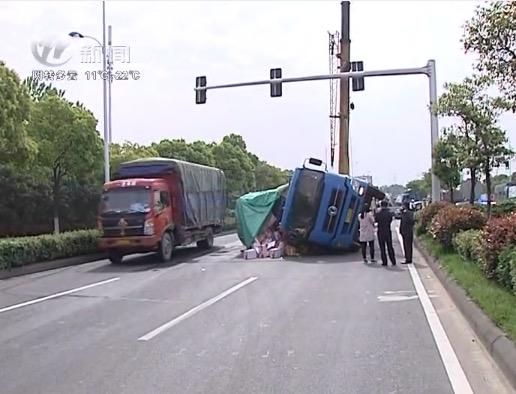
<point>250,254</point>
<point>276,253</point>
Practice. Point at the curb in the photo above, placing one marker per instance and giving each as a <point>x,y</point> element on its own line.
<point>501,348</point>
<point>68,262</point>
<point>50,265</point>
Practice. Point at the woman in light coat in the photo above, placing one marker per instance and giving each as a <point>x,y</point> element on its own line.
<point>366,220</point>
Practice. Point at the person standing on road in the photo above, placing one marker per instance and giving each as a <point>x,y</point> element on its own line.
<point>407,232</point>
<point>366,221</point>
<point>384,220</point>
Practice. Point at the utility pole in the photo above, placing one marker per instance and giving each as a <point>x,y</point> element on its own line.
<point>110,80</point>
<point>345,66</point>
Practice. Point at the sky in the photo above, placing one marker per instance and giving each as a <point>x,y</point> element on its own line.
<point>172,42</point>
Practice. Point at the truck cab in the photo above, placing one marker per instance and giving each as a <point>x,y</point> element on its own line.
<point>322,207</point>
<point>133,215</point>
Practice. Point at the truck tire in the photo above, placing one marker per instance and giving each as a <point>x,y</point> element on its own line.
<point>115,257</point>
<point>166,247</point>
<point>206,243</point>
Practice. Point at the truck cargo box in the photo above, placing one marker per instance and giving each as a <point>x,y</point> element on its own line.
<point>203,188</point>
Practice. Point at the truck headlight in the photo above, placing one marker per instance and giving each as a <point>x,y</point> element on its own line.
<point>148,228</point>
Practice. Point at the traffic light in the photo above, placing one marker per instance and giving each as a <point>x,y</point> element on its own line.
<point>276,87</point>
<point>200,95</point>
<point>357,83</point>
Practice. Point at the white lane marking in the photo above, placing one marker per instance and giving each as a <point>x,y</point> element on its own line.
<point>394,298</point>
<point>63,293</point>
<point>456,374</point>
<point>195,310</point>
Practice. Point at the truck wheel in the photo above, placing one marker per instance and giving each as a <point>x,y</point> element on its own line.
<point>166,247</point>
<point>206,243</point>
<point>115,257</point>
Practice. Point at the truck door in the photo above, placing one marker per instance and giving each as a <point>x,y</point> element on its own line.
<point>162,211</point>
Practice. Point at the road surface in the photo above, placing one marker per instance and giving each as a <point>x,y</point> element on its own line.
<point>217,324</point>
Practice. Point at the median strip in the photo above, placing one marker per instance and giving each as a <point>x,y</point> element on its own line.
<point>197,309</point>
<point>63,293</point>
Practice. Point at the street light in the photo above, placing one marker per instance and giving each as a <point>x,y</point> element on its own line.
<point>75,34</point>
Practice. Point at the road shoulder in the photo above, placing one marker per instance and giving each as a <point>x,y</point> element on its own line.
<point>476,340</point>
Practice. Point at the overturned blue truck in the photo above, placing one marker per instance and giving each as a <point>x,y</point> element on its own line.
<point>317,208</point>
<point>322,208</point>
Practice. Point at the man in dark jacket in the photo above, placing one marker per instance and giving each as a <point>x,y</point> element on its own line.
<point>407,232</point>
<point>384,220</point>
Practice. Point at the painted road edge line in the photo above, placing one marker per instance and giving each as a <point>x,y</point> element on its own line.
<point>52,296</point>
<point>458,379</point>
<point>196,309</point>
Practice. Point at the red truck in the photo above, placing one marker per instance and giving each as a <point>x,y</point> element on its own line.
<point>157,204</point>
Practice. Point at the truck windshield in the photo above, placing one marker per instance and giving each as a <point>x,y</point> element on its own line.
<point>306,201</point>
<point>126,200</point>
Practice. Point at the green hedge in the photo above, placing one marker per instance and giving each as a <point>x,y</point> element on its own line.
<point>16,252</point>
<point>506,268</point>
<point>503,208</point>
<point>468,244</point>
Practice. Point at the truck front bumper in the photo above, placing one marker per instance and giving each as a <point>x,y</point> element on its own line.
<point>130,244</point>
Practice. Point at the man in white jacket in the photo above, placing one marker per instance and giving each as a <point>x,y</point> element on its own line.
<point>366,220</point>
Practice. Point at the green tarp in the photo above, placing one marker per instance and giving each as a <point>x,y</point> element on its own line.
<point>253,210</point>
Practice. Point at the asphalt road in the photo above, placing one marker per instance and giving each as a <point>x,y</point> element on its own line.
<point>217,324</point>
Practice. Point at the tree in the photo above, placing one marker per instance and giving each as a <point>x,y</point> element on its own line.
<point>493,150</point>
<point>15,145</point>
<point>197,152</point>
<point>269,177</point>
<point>500,179</point>
<point>393,190</point>
<point>491,35</point>
<point>37,89</point>
<point>120,153</point>
<point>474,111</point>
<point>236,140</point>
<point>447,167</point>
<point>69,144</point>
<point>482,144</point>
<point>238,167</point>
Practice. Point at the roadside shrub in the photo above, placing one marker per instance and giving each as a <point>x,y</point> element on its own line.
<point>503,208</point>
<point>16,252</point>
<point>468,245</point>
<point>511,256</point>
<point>427,214</point>
<point>499,233</point>
<point>506,268</point>
<point>451,219</point>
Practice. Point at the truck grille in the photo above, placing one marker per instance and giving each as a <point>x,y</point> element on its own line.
<point>132,225</point>
<point>332,210</point>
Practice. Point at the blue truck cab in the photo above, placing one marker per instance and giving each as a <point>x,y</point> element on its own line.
<point>322,207</point>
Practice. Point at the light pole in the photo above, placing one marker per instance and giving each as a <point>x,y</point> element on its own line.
<point>110,82</point>
<point>104,86</point>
